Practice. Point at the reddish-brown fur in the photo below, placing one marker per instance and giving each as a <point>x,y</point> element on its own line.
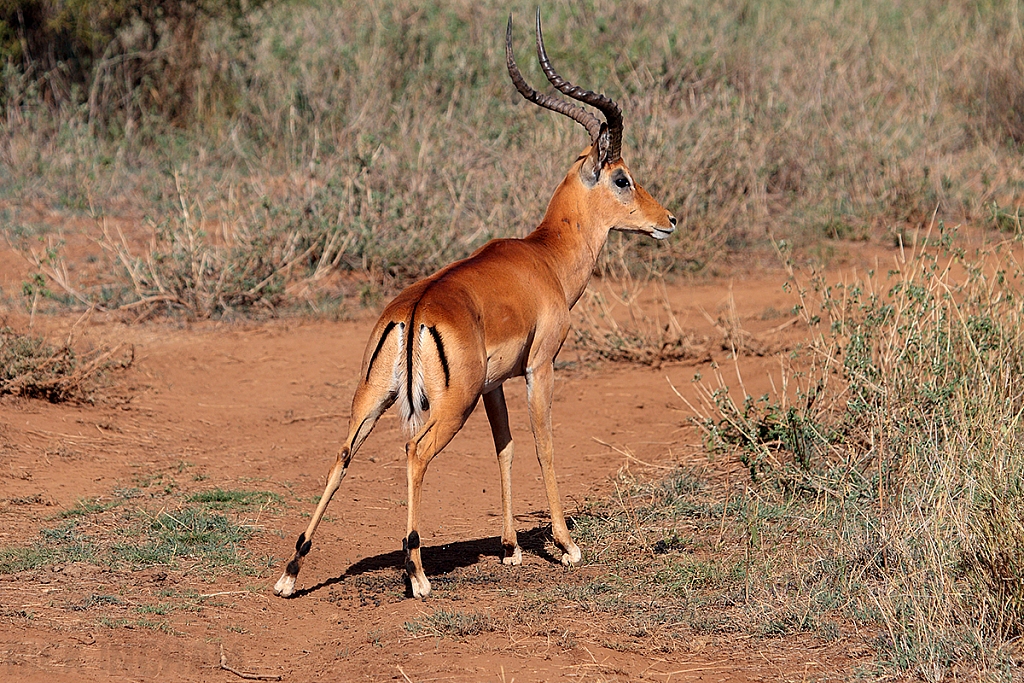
<point>503,312</point>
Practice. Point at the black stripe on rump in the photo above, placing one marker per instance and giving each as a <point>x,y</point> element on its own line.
<point>440,352</point>
<point>387,330</point>
<point>408,355</point>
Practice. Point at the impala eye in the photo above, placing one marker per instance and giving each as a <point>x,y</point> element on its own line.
<point>622,181</point>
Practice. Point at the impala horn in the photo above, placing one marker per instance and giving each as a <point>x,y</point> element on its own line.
<point>607,105</point>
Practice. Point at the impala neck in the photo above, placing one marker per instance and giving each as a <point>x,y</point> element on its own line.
<point>573,238</point>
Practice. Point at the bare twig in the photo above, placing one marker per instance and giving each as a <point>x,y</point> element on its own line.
<point>320,416</point>
<point>242,674</point>
<point>54,267</point>
<point>630,455</point>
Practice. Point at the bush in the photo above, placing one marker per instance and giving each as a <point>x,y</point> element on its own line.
<point>902,430</point>
<point>32,368</point>
<point>386,137</point>
<point>121,59</point>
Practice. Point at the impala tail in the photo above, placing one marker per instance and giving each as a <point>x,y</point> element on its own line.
<point>410,365</point>
<point>426,373</point>
<point>413,402</point>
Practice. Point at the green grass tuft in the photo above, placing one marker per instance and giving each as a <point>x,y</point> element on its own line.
<point>444,623</point>
<point>185,535</point>
<point>85,507</point>
<point>192,535</point>
<point>59,545</point>
<point>221,499</point>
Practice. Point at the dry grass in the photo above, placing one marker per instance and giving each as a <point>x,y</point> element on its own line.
<point>631,320</point>
<point>33,368</point>
<point>610,323</point>
<point>383,137</point>
<point>898,432</point>
<point>883,506</point>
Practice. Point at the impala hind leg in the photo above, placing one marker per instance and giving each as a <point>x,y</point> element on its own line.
<point>497,415</point>
<point>368,405</point>
<point>433,437</point>
<point>540,384</point>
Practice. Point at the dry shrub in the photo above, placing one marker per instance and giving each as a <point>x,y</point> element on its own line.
<point>900,430</point>
<point>1001,93</point>
<point>118,61</point>
<point>993,82</point>
<point>614,326</point>
<point>389,127</point>
<point>631,320</point>
<point>187,269</point>
<point>33,368</point>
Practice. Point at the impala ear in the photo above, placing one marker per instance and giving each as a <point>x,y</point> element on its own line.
<point>590,171</point>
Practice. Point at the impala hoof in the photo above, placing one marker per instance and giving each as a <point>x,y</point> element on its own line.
<point>572,555</point>
<point>419,585</point>
<point>285,586</point>
<point>513,558</point>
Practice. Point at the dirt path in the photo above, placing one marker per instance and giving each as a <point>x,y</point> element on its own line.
<point>263,407</point>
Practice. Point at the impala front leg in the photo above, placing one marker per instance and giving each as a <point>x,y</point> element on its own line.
<point>497,415</point>
<point>540,384</point>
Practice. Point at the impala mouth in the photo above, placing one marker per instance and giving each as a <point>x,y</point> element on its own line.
<point>660,233</point>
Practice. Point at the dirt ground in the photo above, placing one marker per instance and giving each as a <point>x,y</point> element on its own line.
<point>264,406</point>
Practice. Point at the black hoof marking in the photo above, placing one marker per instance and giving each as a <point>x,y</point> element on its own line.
<point>413,541</point>
<point>304,550</point>
<point>293,568</point>
<point>410,568</point>
<point>300,542</point>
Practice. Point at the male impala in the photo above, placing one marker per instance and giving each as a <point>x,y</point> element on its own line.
<point>503,312</point>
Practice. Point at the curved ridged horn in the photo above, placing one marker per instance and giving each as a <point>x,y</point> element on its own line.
<point>606,104</point>
<point>574,112</point>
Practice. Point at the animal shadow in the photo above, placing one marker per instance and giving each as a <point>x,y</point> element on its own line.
<point>444,558</point>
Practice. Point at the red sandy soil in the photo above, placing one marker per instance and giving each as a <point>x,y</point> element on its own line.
<point>264,406</point>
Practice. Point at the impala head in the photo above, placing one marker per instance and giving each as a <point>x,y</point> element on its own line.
<point>599,173</point>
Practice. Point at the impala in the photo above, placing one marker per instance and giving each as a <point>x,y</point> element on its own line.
<point>503,312</point>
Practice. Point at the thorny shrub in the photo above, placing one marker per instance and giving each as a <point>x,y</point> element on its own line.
<point>901,424</point>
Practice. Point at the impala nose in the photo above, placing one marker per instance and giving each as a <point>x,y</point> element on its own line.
<point>662,233</point>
